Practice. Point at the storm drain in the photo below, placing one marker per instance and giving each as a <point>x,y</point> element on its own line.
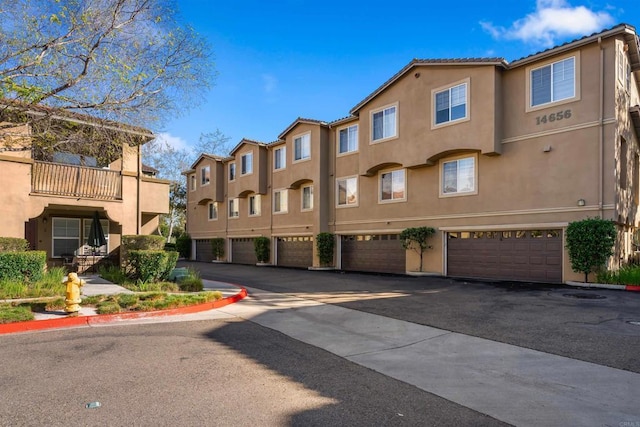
<point>584,296</point>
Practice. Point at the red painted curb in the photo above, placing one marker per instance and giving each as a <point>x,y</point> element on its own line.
<point>632,288</point>
<point>38,325</point>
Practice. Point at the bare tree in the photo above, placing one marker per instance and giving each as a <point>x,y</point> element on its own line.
<point>214,142</point>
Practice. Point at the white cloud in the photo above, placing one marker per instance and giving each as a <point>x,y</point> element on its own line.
<point>174,141</point>
<point>269,83</point>
<point>552,20</point>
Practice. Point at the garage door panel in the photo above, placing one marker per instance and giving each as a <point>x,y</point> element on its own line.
<point>382,254</point>
<point>204,250</point>
<point>295,252</point>
<point>242,251</point>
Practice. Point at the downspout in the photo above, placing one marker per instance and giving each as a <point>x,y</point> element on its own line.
<point>601,135</point>
<point>138,214</point>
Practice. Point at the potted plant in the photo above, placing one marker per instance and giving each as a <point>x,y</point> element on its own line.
<point>325,243</point>
<point>217,247</point>
<point>261,246</point>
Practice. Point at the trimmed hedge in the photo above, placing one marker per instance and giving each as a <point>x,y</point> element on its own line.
<point>23,266</point>
<point>132,242</point>
<point>261,247</point>
<point>151,265</point>
<point>13,244</point>
<point>183,245</point>
<point>217,247</point>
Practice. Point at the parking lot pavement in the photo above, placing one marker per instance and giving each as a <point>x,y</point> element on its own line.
<point>593,325</point>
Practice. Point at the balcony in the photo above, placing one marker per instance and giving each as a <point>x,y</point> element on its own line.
<point>76,181</point>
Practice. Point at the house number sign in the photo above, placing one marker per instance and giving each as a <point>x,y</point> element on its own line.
<point>553,117</point>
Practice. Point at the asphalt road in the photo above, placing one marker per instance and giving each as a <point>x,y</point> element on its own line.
<point>594,325</point>
<point>216,373</point>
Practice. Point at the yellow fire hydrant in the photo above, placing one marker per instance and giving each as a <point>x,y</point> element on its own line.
<point>73,300</point>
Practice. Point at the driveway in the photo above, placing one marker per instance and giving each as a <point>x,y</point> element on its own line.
<point>594,325</point>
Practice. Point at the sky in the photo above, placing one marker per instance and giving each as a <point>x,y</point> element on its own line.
<point>280,60</point>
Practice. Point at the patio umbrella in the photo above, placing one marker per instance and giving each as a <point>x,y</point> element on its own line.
<point>96,234</point>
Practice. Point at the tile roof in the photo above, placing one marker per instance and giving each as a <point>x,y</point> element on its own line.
<point>301,120</point>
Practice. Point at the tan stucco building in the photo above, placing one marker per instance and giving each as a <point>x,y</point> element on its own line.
<point>51,201</point>
<point>499,157</point>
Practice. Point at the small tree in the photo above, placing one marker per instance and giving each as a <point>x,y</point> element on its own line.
<point>217,246</point>
<point>416,239</point>
<point>324,244</point>
<point>261,246</point>
<point>590,243</point>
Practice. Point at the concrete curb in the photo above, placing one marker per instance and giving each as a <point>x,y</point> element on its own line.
<point>65,322</point>
<point>631,288</point>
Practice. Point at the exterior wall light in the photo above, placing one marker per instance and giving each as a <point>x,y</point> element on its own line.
<point>581,202</point>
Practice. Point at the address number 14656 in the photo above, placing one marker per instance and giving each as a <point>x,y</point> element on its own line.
<point>566,114</point>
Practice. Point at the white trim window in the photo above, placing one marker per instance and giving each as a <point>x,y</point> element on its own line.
<point>86,228</point>
<point>280,158</point>
<point>348,139</point>
<point>307,198</point>
<point>234,208</point>
<point>205,175</point>
<point>384,123</point>
<point>280,201</point>
<point>553,82</point>
<point>192,182</point>
<point>302,147</point>
<point>255,205</point>
<point>347,191</point>
<point>212,211</point>
<point>65,236</point>
<point>246,164</point>
<point>450,104</point>
<point>232,171</point>
<point>458,176</point>
<point>392,186</point>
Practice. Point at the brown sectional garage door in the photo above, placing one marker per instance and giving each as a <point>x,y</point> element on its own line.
<point>204,251</point>
<point>526,255</point>
<point>382,253</point>
<point>242,251</point>
<point>295,251</point>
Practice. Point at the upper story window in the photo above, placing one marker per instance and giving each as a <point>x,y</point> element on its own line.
<point>458,176</point>
<point>393,186</point>
<point>302,147</point>
<point>348,139</point>
<point>192,182</point>
<point>451,104</point>
<point>213,210</point>
<point>347,193</point>
<point>234,208</point>
<point>307,198</point>
<point>280,201</point>
<point>384,123</point>
<point>279,158</point>
<point>232,171</point>
<point>246,164</point>
<point>553,82</point>
<point>205,175</point>
<point>255,205</point>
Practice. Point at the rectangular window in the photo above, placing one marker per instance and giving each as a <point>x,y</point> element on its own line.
<point>205,175</point>
<point>192,182</point>
<point>89,250</point>
<point>348,139</point>
<point>347,191</point>
<point>254,205</point>
<point>392,186</point>
<point>451,104</point>
<point>246,164</point>
<point>280,201</point>
<point>623,163</point>
<point>384,123</point>
<point>553,82</point>
<point>307,198</point>
<point>234,208</point>
<point>232,171</point>
<point>459,176</point>
<point>65,235</point>
<point>302,147</point>
<point>279,158</point>
<point>213,210</point>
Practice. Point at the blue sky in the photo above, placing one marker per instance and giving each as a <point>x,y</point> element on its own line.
<point>280,60</point>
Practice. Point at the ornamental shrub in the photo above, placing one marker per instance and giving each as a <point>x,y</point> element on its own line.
<point>261,246</point>
<point>183,245</point>
<point>138,242</point>
<point>217,246</point>
<point>13,244</point>
<point>590,244</point>
<point>151,266</point>
<point>325,243</point>
<point>22,266</point>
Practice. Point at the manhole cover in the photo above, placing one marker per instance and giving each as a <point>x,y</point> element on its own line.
<point>584,296</point>
<point>634,323</point>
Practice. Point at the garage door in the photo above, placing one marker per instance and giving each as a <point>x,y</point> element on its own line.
<point>242,251</point>
<point>382,253</point>
<point>204,251</point>
<point>295,251</point>
<point>526,255</point>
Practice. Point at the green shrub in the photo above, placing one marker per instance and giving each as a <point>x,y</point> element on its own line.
<point>169,246</point>
<point>151,266</point>
<point>261,246</point>
<point>139,242</point>
<point>13,244</point>
<point>217,246</point>
<point>590,244</point>
<point>113,274</point>
<point>325,243</point>
<point>10,289</point>
<point>27,266</point>
<point>183,245</point>
<point>191,284</point>
<point>52,279</point>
